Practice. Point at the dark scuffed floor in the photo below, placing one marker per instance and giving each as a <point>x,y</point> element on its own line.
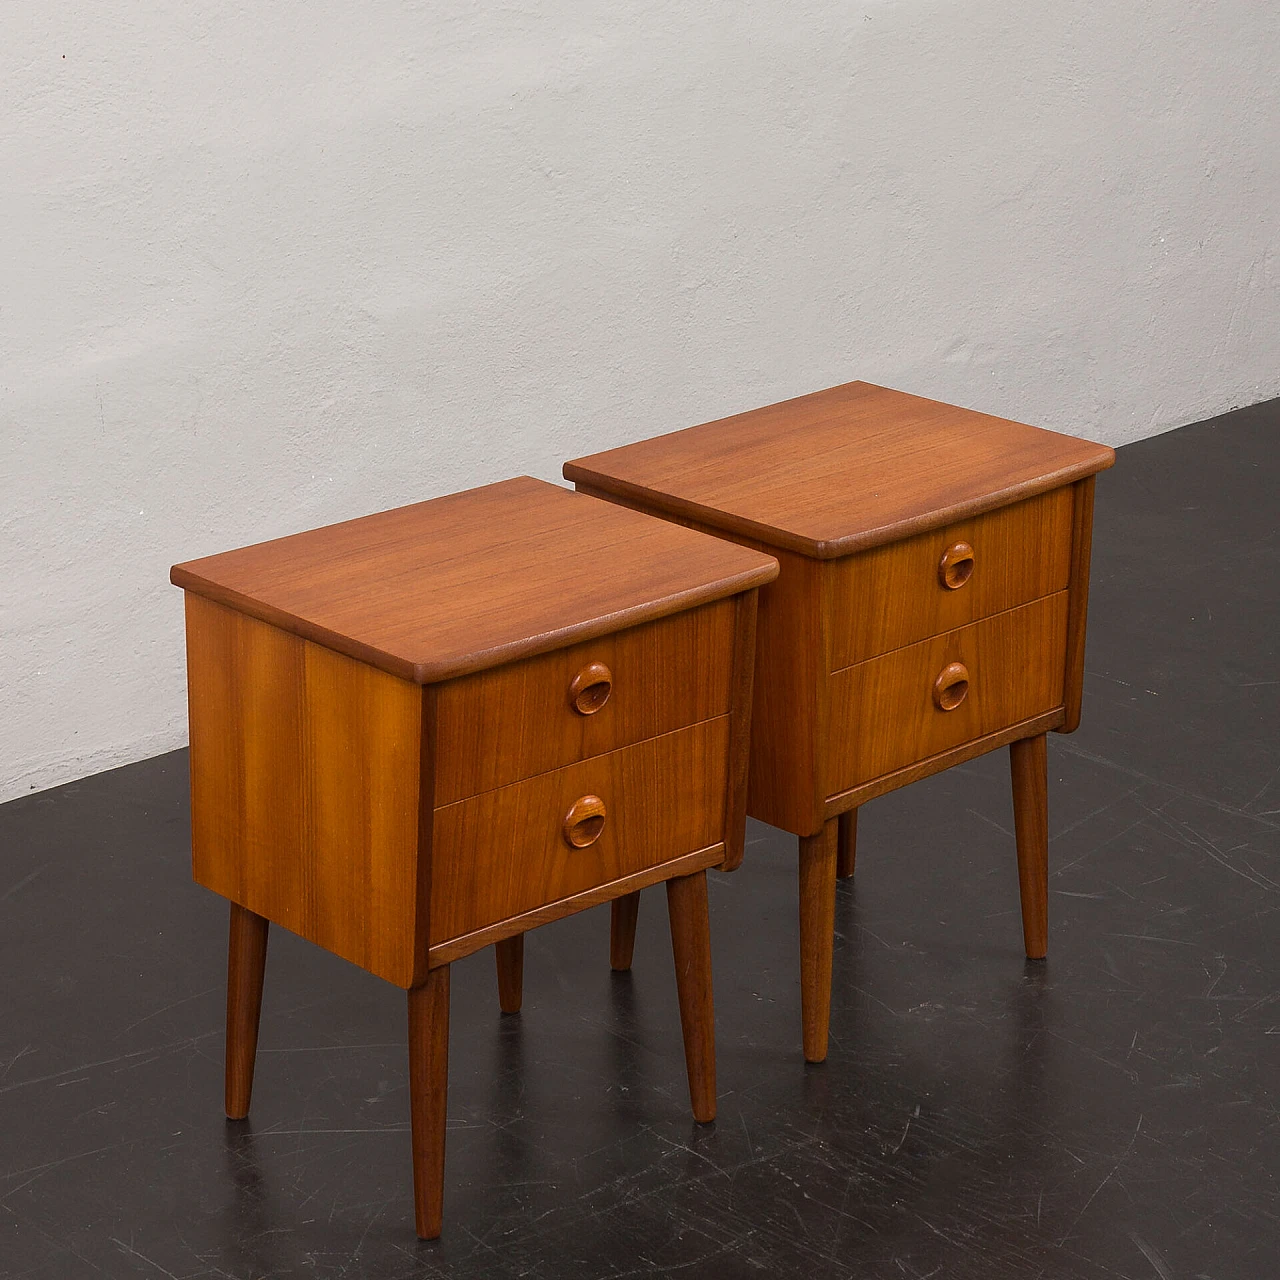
<point>1111,1114</point>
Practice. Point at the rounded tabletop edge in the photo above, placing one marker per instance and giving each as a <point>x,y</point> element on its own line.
<point>713,520</point>
<point>449,666</point>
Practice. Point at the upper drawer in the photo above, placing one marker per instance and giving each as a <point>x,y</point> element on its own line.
<point>509,851</point>
<point>925,698</point>
<point>907,591</point>
<point>513,722</point>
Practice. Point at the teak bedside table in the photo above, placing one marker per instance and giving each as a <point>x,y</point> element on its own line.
<point>930,607</point>
<point>425,731</point>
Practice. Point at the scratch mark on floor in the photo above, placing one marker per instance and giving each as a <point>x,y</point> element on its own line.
<point>1149,1252</point>
<point>151,1262</point>
<point>1128,1151</point>
<point>1092,757</point>
<point>905,1131</point>
<point>199,995</point>
<point>22,884</point>
<point>1004,831</point>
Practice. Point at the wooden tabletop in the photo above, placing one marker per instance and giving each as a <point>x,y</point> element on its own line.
<point>476,579</point>
<point>841,470</point>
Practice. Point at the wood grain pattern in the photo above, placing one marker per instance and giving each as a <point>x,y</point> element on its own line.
<point>847,844</point>
<point>305,788</point>
<point>785,780</point>
<point>518,721</point>
<point>817,937</point>
<point>685,864</point>
<point>246,965</point>
<point>742,668</point>
<point>623,913</point>
<point>853,797</point>
<point>572,777</point>
<point>691,949</point>
<point>841,470</point>
<point>882,711</point>
<point>1028,767</point>
<point>428,1096</point>
<point>502,853</point>
<point>508,955</point>
<point>475,579</point>
<point>1078,613</point>
<point>428,758</point>
<point>891,596</point>
<point>930,606</point>
<point>789,691</point>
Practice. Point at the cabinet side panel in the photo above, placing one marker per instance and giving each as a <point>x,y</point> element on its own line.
<point>742,681</point>
<point>788,704</point>
<point>304,787</point>
<point>1078,611</point>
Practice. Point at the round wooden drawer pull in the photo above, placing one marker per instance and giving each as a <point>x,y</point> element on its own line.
<point>589,690</point>
<point>956,566</point>
<point>584,822</point>
<point>952,687</point>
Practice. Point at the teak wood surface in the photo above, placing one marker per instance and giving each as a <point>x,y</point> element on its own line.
<point>890,596</point>
<point>930,606</point>
<point>501,854</point>
<point>246,967</point>
<point>1014,662</point>
<point>504,734</point>
<point>473,580</point>
<point>663,675</point>
<point>840,470</point>
<point>305,788</point>
<point>509,957</point>
<point>1028,765</point>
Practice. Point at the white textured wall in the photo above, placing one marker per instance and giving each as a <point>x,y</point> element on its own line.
<point>267,266</point>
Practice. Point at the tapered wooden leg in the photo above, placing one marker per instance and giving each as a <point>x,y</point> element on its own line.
<point>847,844</point>
<point>1029,768</point>
<point>691,946</point>
<point>428,1090</point>
<point>246,964</point>
<point>817,937</point>
<point>509,955</point>
<point>622,930</point>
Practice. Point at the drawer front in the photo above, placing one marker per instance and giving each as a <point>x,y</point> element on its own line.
<point>903,592</point>
<point>508,851</point>
<point>908,705</point>
<point>499,726</point>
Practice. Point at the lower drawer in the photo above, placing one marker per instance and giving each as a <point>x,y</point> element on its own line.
<point>517,848</point>
<point>908,705</point>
